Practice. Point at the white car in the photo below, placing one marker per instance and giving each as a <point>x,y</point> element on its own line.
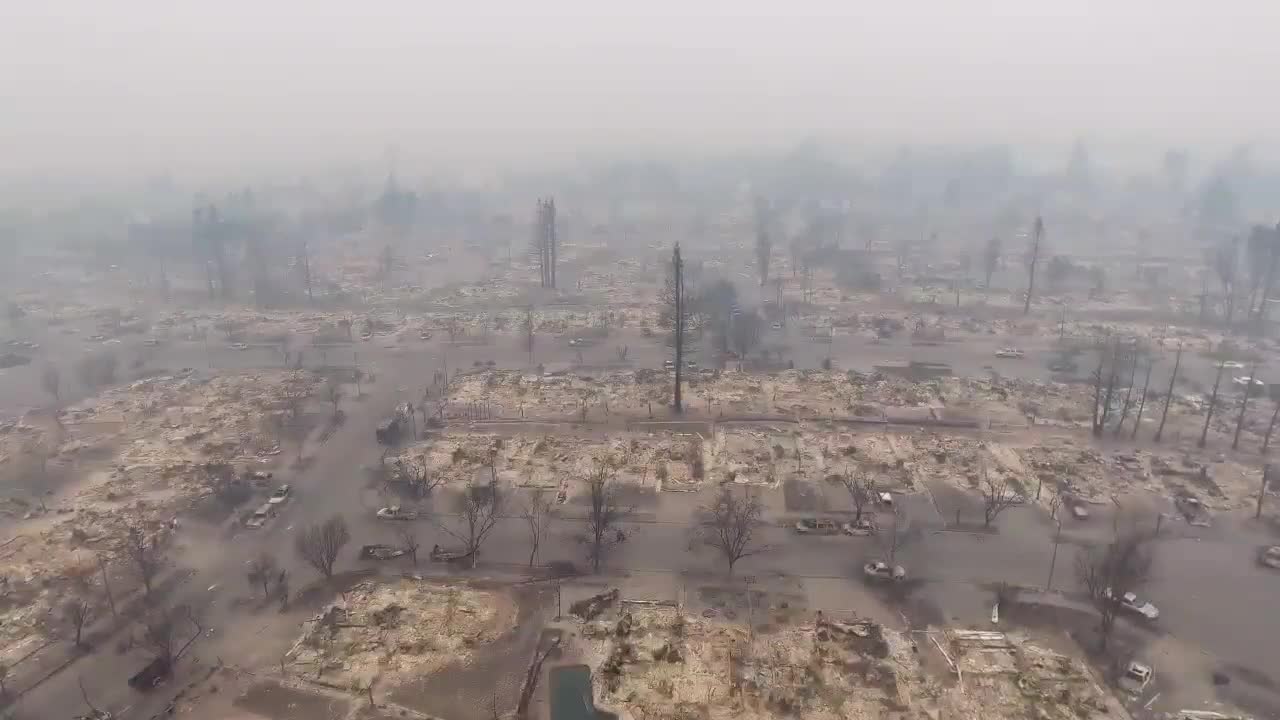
<point>1270,557</point>
<point>884,571</point>
<point>239,346</point>
<point>395,512</point>
<point>1129,601</point>
<point>280,495</point>
<point>1246,380</point>
<point>1137,676</point>
<point>1231,365</point>
<point>1014,353</point>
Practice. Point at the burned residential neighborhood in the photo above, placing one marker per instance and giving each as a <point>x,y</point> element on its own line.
<point>418,422</point>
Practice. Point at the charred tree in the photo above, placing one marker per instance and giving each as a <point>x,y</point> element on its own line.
<point>1142,402</point>
<point>1244,406</point>
<point>1213,403</point>
<point>1168,396</point>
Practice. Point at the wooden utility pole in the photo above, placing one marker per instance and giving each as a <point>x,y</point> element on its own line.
<point>1036,234</point>
<point>677,273</point>
<point>306,272</point>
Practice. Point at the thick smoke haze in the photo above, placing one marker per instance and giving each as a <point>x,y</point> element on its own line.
<point>137,85</point>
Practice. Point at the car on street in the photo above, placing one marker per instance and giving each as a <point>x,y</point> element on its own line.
<point>1132,603</point>
<point>380,552</point>
<point>692,365</point>
<point>817,526</point>
<point>151,342</point>
<point>1269,557</point>
<point>776,326</point>
<point>859,527</point>
<point>1009,353</point>
<point>261,515</point>
<point>280,495</point>
<point>1231,365</point>
<point>884,571</point>
<point>239,346</point>
<point>669,364</point>
<point>395,512</point>
<point>1137,675</point>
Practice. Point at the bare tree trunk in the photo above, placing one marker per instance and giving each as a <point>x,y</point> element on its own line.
<point>1244,406</point>
<point>1111,388</point>
<point>1266,442</point>
<point>1213,402</point>
<point>1142,402</point>
<point>1128,394</point>
<point>1097,393</point>
<point>1168,398</point>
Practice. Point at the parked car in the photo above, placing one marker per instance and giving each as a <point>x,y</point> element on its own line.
<point>280,495</point>
<point>1009,353</point>
<point>424,335</point>
<point>1231,365</point>
<point>1136,677</point>
<point>860,527</point>
<point>1131,602</point>
<point>395,512</point>
<point>261,515</point>
<point>380,552</point>
<point>1270,557</point>
<point>776,326</point>
<point>884,571</point>
<point>817,526</point>
<point>239,346</point>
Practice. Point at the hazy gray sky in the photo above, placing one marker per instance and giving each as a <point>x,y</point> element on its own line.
<point>173,83</point>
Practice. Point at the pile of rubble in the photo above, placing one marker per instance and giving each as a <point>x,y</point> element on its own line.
<point>656,662</point>
<point>142,454</point>
<point>558,462</point>
<point>402,628</point>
